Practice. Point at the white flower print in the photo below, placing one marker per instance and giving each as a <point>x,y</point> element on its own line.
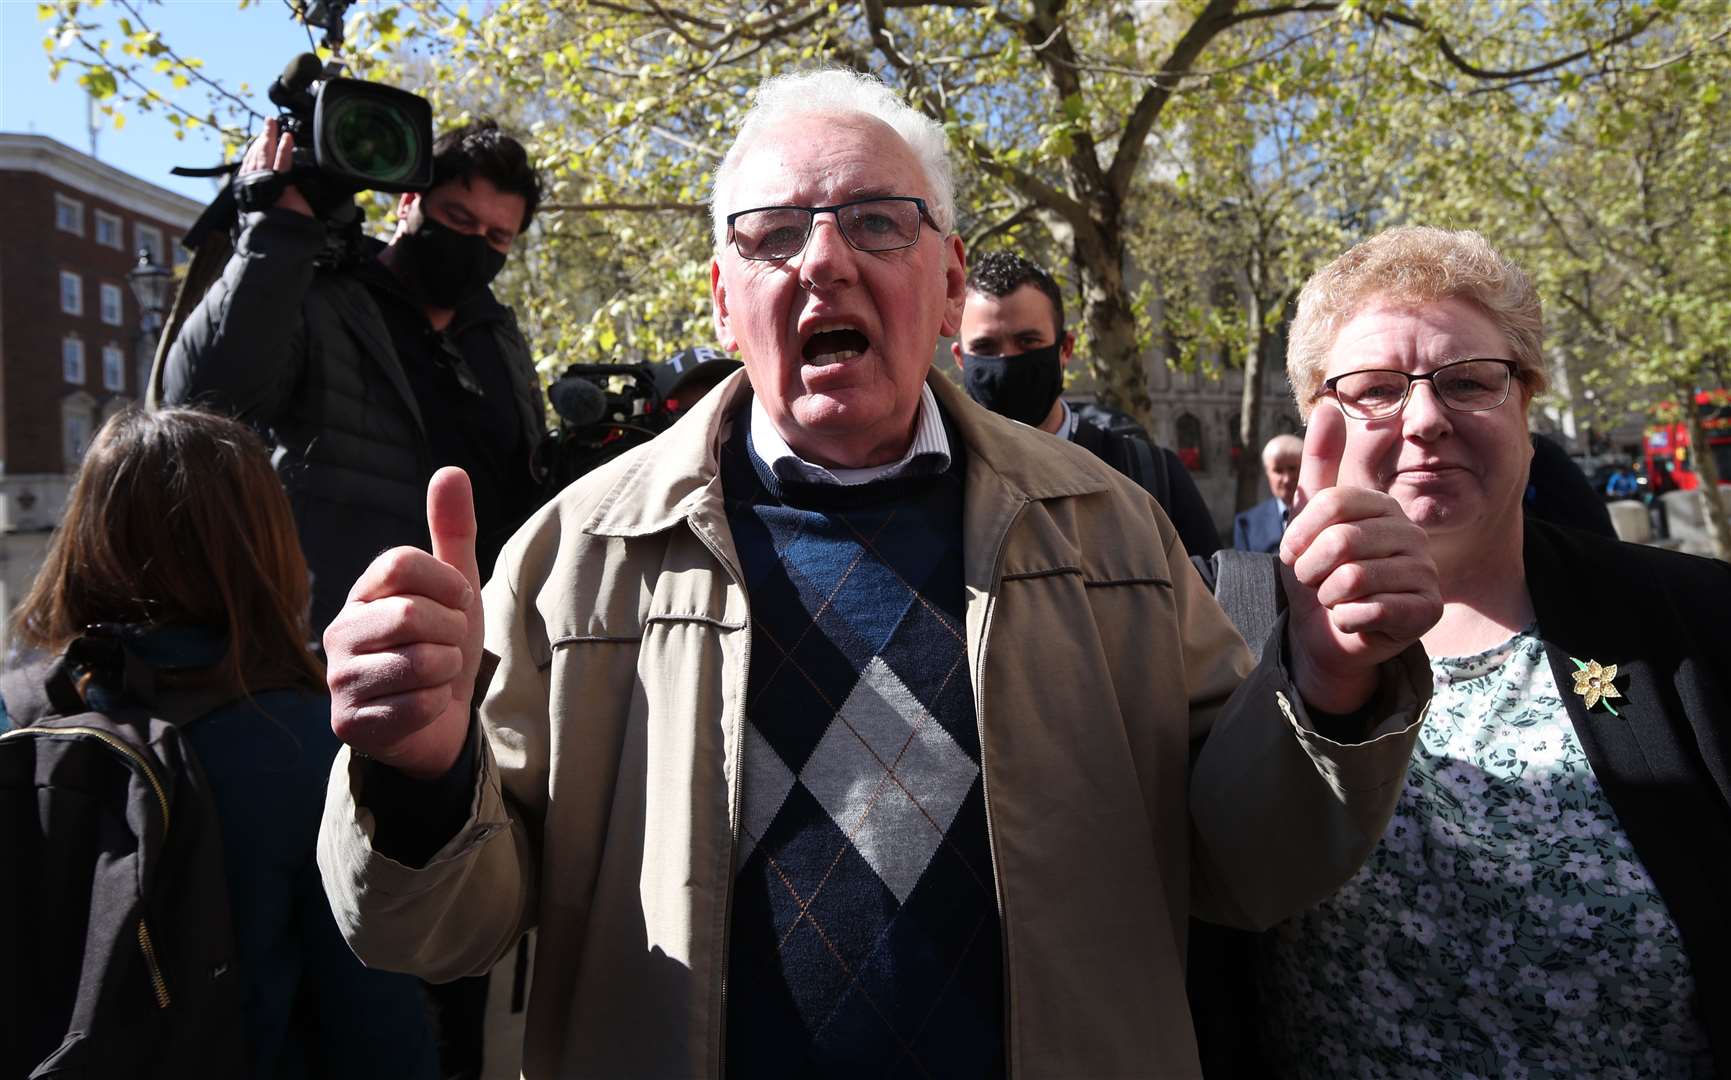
<point>1401,835</point>
<point>1574,920</point>
<point>1572,992</point>
<point>1417,926</point>
<point>1422,1044</point>
<point>1586,865</point>
<point>1503,926</point>
<point>1580,823</point>
<point>1632,875</point>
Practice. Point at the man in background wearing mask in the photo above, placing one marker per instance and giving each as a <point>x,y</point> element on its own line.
<point>368,378</point>
<point>1013,349</point>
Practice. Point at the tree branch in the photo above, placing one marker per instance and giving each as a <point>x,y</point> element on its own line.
<point>1467,67</point>
<point>1209,24</point>
<point>1050,43</point>
<point>627,207</point>
<point>998,227</point>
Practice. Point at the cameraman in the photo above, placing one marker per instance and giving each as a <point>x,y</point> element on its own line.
<point>370,377</point>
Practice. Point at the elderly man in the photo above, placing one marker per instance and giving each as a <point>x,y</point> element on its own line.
<point>836,732</point>
<point>1261,527</point>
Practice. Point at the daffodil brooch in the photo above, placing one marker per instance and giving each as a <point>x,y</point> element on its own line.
<point>1595,683</point>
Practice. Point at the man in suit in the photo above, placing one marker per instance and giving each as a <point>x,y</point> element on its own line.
<point>1260,527</point>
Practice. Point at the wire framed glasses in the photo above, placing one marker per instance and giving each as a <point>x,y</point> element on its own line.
<point>883,223</point>
<point>1476,384</point>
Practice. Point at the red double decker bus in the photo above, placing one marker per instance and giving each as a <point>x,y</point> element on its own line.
<point>1668,448</point>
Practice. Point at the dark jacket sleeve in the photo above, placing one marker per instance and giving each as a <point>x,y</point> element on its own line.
<point>1240,532</point>
<point>244,346</point>
<point>1188,512</point>
<point>267,760</point>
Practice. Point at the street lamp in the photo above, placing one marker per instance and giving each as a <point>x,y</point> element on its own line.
<point>151,285</point>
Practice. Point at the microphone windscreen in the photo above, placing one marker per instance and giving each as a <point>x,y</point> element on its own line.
<point>578,401</point>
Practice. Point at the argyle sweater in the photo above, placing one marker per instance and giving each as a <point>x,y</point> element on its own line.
<point>865,938</point>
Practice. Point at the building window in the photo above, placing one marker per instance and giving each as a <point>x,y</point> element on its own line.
<point>149,239</point>
<point>72,360</point>
<point>1190,442</point>
<point>77,427</point>
<point>108,230</point>
<point>112,312</point>
<point>71,293</point>
<point>181,255</point>
<point>69,215</point>
<point>113,368</point>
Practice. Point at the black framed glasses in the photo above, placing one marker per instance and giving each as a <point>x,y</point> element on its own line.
<point>884,223</point>
<point>1472,385</point>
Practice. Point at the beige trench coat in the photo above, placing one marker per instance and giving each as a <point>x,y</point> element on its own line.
<point>1133,775</point>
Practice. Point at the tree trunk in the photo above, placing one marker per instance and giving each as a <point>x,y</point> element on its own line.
<point>1247,468</point>
<point>1113,358</point>
<point>1712,500</point>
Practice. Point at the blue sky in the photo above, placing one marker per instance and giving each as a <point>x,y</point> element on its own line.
<point>237,46</point>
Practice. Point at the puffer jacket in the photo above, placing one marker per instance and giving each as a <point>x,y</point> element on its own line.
<point>1137,770</point>
<point>306,358</point>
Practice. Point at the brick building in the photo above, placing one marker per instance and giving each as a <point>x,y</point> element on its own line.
<point>72,349</point>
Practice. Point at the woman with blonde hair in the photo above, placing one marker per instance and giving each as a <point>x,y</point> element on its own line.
<point>178,544</point>
<point>1550,897</point>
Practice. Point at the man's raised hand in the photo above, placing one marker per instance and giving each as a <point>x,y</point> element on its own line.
<point>273,151</point>
<point>404,651</point>
<point>1361,585</point>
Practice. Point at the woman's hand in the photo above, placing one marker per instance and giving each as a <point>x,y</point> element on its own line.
<point>1360,582</point>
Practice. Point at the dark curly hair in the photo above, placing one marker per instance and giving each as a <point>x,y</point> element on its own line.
<point>483,149</point>
<point>1000,273</point>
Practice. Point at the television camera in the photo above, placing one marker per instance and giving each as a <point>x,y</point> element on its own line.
<point>604,410</point>
<point>350,135</point>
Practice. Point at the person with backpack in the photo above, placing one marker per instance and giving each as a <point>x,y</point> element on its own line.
<point>161,784</point>
<point>1013,349</point>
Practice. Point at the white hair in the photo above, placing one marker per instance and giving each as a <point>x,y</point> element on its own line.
<point>1282,446</point>
<point>837,91</point>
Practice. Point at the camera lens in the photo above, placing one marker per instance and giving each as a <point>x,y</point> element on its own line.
<point>374,140</point>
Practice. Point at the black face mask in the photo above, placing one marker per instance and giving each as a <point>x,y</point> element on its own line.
<point>1021,387</point>
<point>448,267</point>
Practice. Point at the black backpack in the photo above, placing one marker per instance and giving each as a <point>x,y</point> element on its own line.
<point>116,948</point>
<point>1119,440</point>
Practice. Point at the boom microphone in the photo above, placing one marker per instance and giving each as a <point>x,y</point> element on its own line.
<point>578,401</point>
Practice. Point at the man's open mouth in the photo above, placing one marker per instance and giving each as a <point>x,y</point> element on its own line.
<point>834,346</point>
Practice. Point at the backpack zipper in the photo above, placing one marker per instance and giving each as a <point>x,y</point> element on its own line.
<point>158,985</point>
<point>112,743</point>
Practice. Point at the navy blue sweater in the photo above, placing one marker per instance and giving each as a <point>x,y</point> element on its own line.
<point>865,938</point>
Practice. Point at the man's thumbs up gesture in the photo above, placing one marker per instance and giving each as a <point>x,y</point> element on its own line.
<point>1360,583</point>
<point>404,651</point>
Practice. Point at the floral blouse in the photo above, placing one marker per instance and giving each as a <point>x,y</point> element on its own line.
<point>1504,927</point>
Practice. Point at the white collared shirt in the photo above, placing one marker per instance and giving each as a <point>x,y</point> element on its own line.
<point>930,440</point>
<point>1067,426</point>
